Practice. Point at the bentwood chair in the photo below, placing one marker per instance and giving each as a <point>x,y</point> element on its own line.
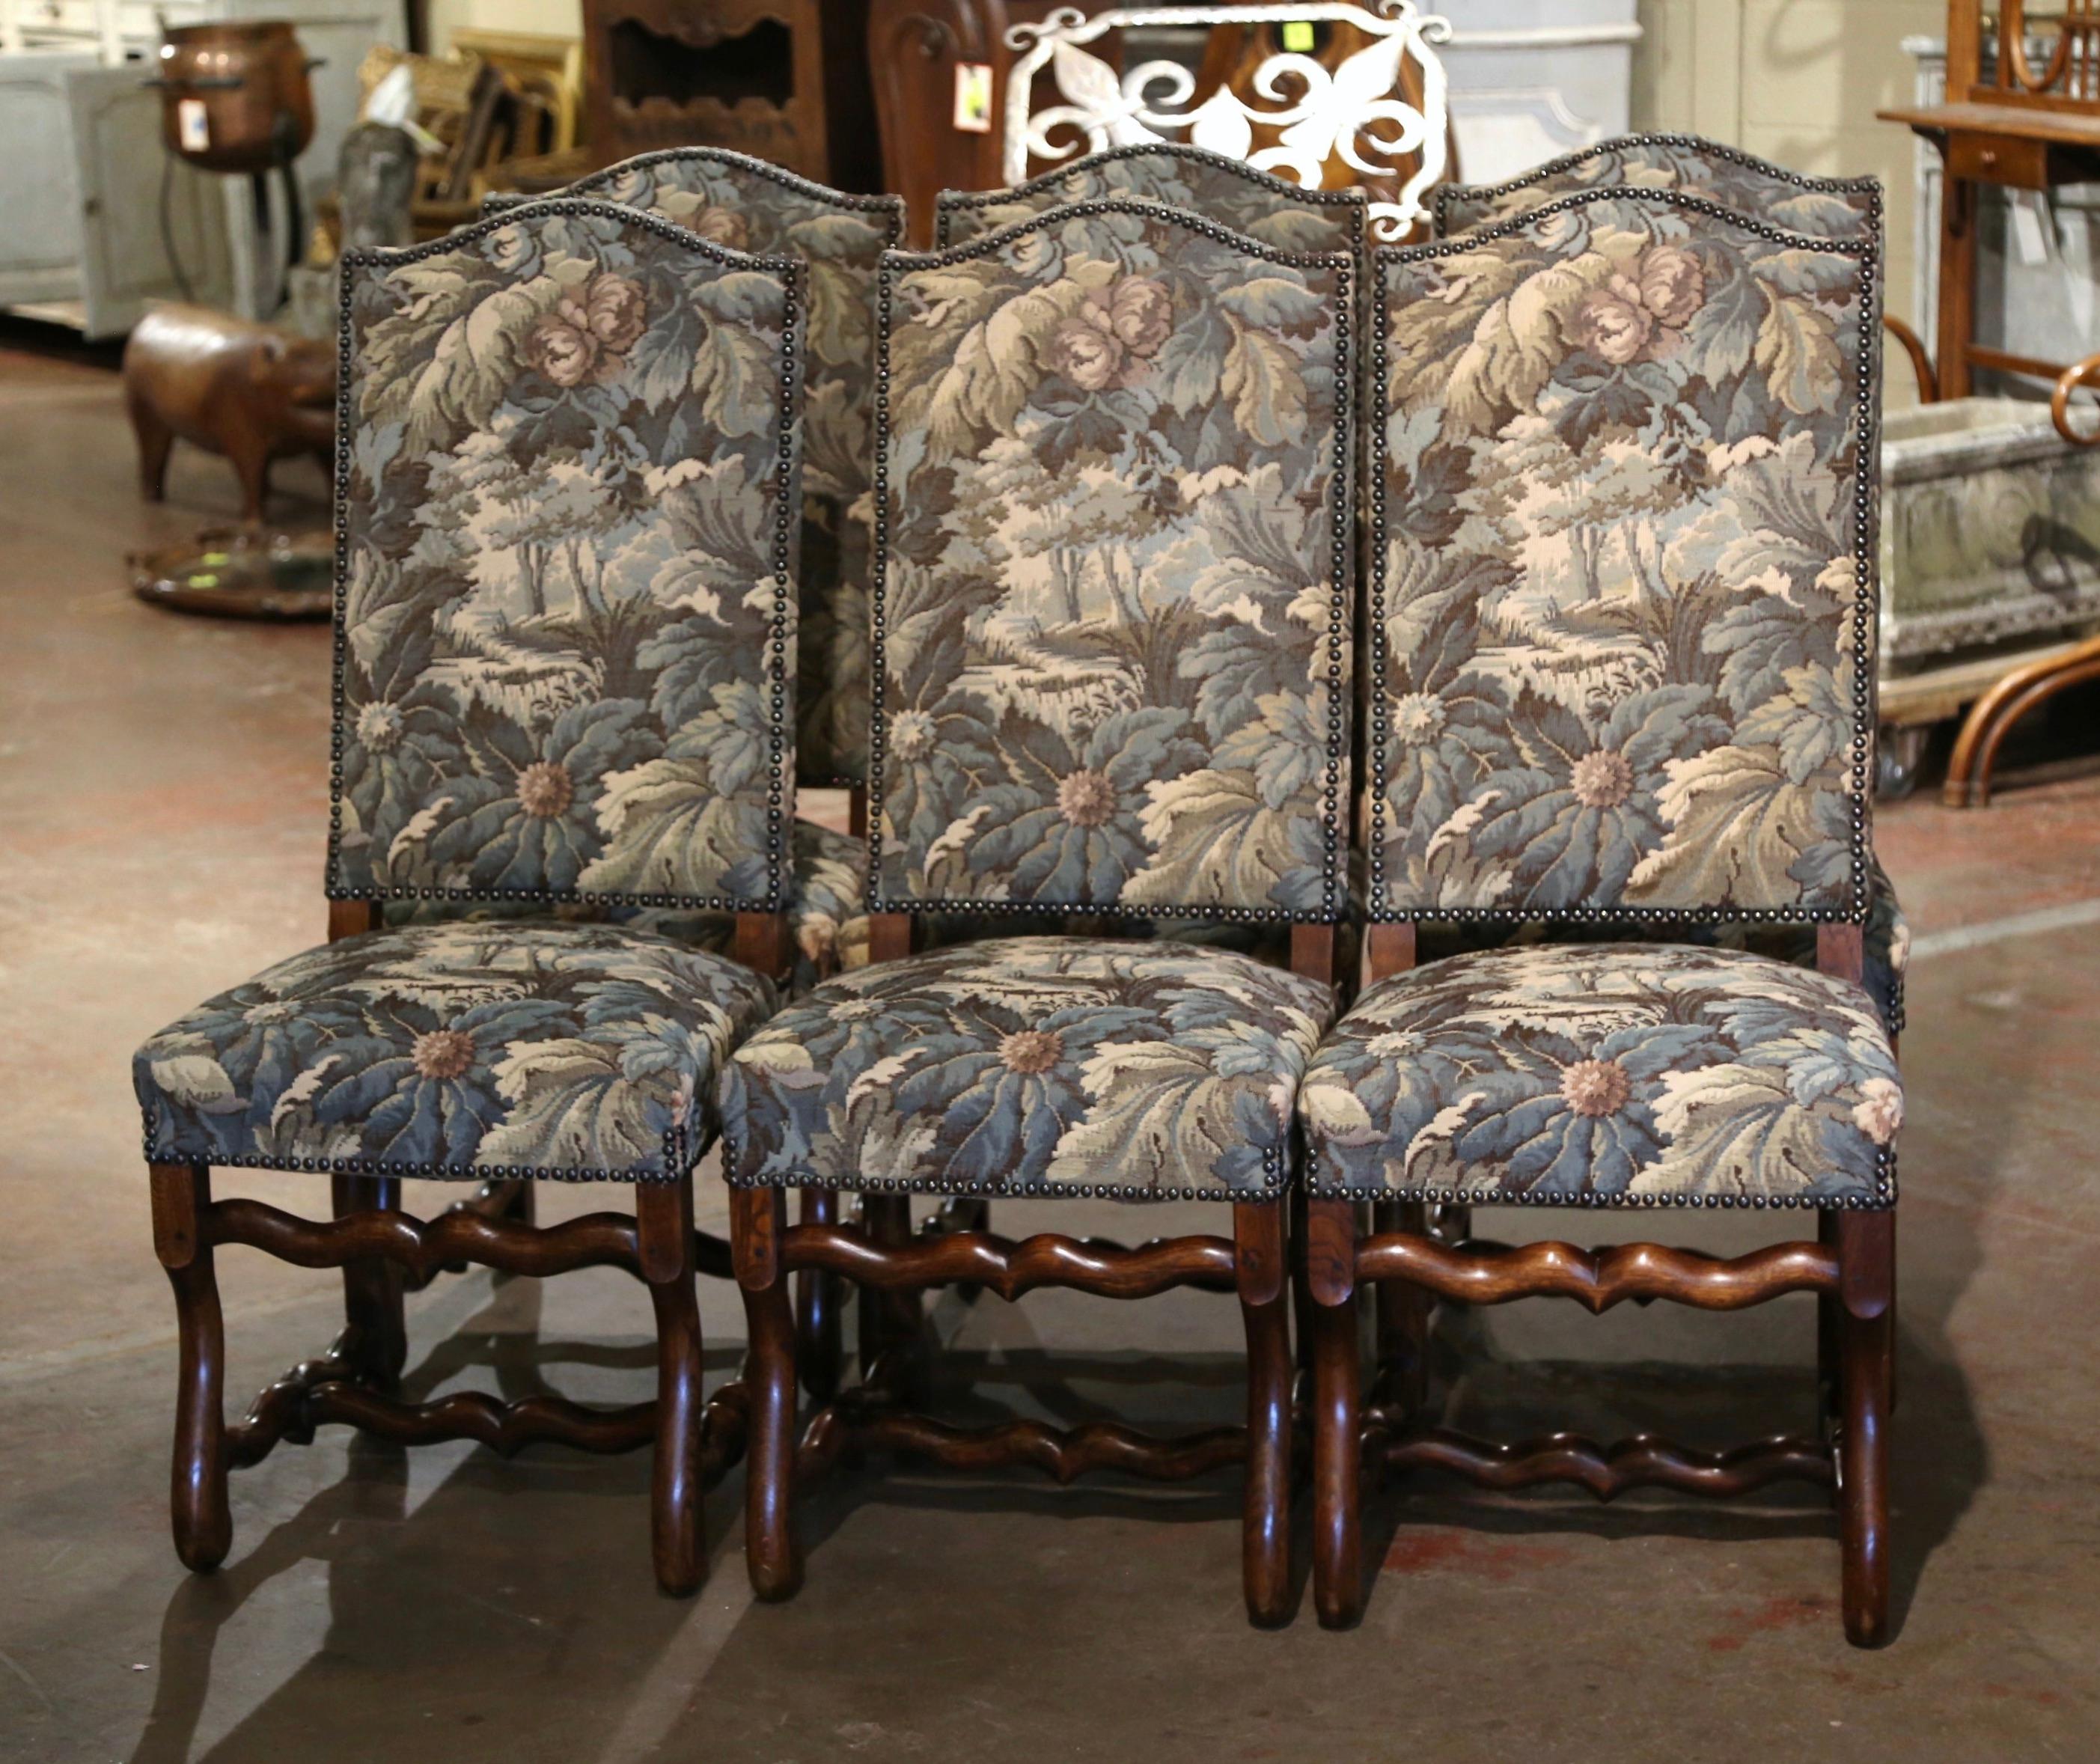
<point>1112,678</point>
<point>567,532</point>
<point>752,205</point>
<point>1623,621</point>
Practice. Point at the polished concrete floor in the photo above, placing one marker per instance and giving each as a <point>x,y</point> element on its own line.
<point>162,808</point>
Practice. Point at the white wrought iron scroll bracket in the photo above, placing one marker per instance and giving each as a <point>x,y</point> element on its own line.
<point>1353,112</point>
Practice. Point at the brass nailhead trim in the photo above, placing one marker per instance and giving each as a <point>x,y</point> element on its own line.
<point>1866,470</point>
<point>791,272</point>
<point>1334,905</point>
<point>1448,194</point>
<point>948,202</point>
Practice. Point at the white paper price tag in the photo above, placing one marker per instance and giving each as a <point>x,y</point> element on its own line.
<point>973,98</point>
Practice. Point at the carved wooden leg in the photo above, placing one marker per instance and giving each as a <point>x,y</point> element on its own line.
<point>1449,1222</point>
<point>1895,1311</point>
<point>663,1216</point>
<point>960,1213</point>
<point>1337,1445</point>
<point>1403,1311</point>
<point>1866,1242</point>
<point>819,1336</point>
<point>375,1342</point>
<point>1829,1373</point>
<point>1258,1239</point>
<point>202,1518</point>
<point>1301,1293</point>
<point>891,1320</point>
<point>758,1223</point>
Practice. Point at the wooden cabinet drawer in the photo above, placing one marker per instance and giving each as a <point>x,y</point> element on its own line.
<point>2000,159</point>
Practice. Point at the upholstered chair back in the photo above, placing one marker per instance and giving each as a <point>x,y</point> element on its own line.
<point>1113,571</point>
<point>1623,587</point>
<point>750,205</point>
<point>566,536</point>
<point>1825,208</point>
<point>1232,192</point>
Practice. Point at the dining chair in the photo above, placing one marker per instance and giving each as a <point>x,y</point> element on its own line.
<point>751,204</point>
<point>1622,609</point>
<point>566,545</point>
<point>1113,573</point>
<point>1835,208</point>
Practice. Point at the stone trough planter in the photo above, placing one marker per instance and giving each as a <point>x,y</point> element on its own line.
<point>1990,559</point>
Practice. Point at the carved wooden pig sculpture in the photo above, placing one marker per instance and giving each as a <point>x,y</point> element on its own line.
<point>248,391</point>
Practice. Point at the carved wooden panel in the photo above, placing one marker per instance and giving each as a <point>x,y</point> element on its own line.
<point>783,80</point>
<point>915,47</point>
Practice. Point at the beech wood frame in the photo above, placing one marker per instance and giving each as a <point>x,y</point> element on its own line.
<point>384,1254</point>
<point>1850,1268</point>
<point>892,1269</point>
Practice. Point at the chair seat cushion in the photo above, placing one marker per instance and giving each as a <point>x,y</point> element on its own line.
<point>1031,1065</point>
<point>826,912</point>
<point>1623,1073</point>
<point>1887,938</point>
<point>467,1050</point>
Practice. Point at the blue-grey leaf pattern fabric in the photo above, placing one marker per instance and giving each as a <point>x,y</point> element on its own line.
<point>1617,1075</point>
<point>826,910</point>
<point>1113,647</point>
<point>1887,938</point>
<point>1228,190</point>
<point>1625,566</point>
<point>751,205</point>
<point>458,1051</point>
<point>1825,208</point>
<point>1031,1065</point>
<point>565,651</point>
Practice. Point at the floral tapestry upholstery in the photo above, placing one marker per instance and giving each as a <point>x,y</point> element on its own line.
<point>826,910</point>
<point>565,609</point>
<point>1824,208</point>
<point>1623,569</point>
<point>751,205</point>
<point>1887,940</point>
<point>1032,1066</point>
<point>1255,204</point>
<point>1616,1074</point>
<point>544,1050</point>
<point>1113,572</point>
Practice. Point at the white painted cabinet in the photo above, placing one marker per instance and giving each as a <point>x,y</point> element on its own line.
<point>82,171</point>
<point>40,232</point>
<point>1533,79</point>
<point>114,125</point>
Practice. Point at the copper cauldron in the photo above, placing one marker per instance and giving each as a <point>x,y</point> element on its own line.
<point>234,96</point>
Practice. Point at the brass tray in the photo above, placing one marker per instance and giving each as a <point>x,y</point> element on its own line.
<point>233,573</point>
